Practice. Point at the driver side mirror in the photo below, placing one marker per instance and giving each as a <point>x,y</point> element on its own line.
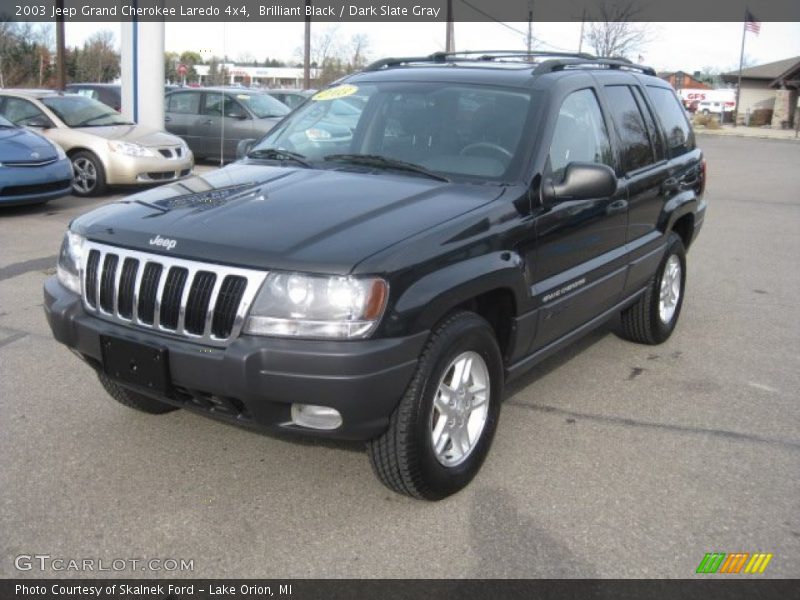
<point>236,114</point>
<point>243,147</point>
<point>582,181</point>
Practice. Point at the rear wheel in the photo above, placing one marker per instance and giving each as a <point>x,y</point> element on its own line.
<point>132,399</point>
<point>654,316</point>
<point>443,427</point>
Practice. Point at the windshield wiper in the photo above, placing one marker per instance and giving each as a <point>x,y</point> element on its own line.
<point>375,160</point>
<point>280,154</point>
<point>86,122</point>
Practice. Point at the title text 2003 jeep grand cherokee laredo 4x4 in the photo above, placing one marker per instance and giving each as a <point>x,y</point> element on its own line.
<point>382,277</point>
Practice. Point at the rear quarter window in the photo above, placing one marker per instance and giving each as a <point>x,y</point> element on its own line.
<point>184,103</point>
<point>680,138</point>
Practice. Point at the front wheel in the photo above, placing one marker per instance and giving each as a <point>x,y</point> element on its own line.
<point>654,316</point>
<point>88,175</point>
<point>443,427</point>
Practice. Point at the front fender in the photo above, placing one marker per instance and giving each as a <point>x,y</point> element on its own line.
<point>431,297</point>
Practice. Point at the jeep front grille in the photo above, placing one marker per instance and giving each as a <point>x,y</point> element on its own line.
<point>200,301</point>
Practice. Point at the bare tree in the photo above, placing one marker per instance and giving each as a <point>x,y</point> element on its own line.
<point>613,33</point>
<point>98,59</point>
<point>359,45</point>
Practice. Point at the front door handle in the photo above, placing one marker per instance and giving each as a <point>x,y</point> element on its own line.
<point>616,207</point>
<point>167,119</point>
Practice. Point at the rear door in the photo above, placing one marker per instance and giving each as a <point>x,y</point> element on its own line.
<point>181,118</point>
<point>642,169</point>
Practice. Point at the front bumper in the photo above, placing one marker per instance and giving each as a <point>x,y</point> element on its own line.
<point>134,170</point>
<point>30,185</point>
<point>254,381</point>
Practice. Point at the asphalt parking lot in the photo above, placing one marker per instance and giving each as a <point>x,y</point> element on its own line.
<point>611,459</point>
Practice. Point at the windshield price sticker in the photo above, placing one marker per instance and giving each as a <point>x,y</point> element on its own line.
<point>340,91</point>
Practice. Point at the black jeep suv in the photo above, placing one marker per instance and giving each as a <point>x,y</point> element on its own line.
<point>392,253</point>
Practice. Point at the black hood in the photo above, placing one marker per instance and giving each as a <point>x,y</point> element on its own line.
<point>315,220</point>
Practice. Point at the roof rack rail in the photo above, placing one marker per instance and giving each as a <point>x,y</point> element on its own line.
<point>622,64</point>
<point>555,60</point>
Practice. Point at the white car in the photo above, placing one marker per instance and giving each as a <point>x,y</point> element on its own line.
<point>714,107</point>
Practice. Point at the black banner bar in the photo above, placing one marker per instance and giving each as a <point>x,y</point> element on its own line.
<point>710,588</point>
<point>398,10</point>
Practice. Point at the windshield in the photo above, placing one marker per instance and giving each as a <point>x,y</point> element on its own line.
<point>451,129</point>
<point>263,105</point>
<point>6,123</point>
<point>80,111</point>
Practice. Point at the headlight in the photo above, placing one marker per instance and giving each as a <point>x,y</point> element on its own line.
<point>60,152</point>
<point>69,261</point>
<point>311,306</point>
<point>130,149</point>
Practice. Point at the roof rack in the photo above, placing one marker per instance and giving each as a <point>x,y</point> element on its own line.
<point>556,61</point>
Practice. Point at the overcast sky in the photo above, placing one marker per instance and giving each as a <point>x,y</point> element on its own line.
<point>672,46</point>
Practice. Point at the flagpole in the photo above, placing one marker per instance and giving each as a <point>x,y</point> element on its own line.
<point>741,60</point>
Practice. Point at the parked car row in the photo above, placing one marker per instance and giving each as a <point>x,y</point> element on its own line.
<point>103,148</point>
<point>54,143</point>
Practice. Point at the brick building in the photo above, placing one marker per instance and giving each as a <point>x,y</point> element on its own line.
<point>680,80</point>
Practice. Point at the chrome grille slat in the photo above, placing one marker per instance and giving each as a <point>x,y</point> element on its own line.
<point>98,279</point>
<point>212,303</point>
<point>136,286</point>
<point>90,276</point>
<point>186,298</point>
<point>162,283</point>
<point>126,288</point>
<point>108,291</point>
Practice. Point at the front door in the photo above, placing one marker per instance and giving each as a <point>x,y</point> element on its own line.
<point>579,268</point>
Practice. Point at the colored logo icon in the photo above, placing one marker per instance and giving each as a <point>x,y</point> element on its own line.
<point>720,562</point>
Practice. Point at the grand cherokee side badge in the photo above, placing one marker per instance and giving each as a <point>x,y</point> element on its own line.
<point>165,243</point>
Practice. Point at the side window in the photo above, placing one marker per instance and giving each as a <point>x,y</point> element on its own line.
<point>184,103</point>
<point>635,149</point>
<point>233,108</point>
<point>673,118</point>
<point>580,134</point>
<point>21,112</point>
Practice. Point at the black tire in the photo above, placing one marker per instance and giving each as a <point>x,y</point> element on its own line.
<point>132,399</point>
<point>641,322</point>
<point>87,162</point>
<point>403,458</point>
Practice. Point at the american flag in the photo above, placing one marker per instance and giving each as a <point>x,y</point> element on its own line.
<point>751,23</point>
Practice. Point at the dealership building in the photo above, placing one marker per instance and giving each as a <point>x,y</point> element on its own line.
<point>270,77</point>
<point>771,88</point>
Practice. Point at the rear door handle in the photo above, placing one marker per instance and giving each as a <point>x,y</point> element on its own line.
<point>167,119</point>
<point>210,122</point>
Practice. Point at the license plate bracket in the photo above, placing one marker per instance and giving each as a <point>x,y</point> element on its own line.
<point>135,363</point>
